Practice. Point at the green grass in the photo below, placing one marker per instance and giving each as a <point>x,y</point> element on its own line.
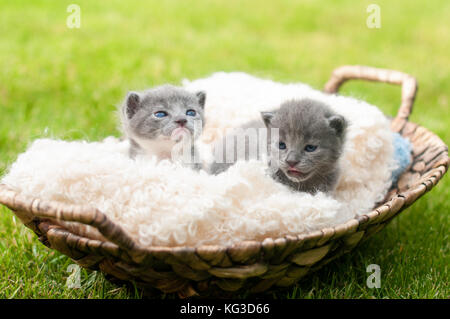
<point>65,83</point>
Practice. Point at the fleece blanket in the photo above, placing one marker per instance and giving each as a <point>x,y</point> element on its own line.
<point>158,202</point>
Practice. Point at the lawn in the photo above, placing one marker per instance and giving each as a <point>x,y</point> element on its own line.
<point>65,83</point>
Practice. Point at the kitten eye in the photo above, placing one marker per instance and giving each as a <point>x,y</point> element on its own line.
<point>191,113</point>
<point>282,146</point>
<point>310,148</point>
<point>160,114</point>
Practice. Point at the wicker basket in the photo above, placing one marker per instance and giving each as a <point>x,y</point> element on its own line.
<point>253,266</point>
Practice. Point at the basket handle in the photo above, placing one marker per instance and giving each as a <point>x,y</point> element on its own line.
<point>408,83</point>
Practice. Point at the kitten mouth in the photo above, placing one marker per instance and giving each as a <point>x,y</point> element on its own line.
<point>293,172</point>
<point>180,133</point>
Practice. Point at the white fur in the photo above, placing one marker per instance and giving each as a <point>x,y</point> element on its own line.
<point>163,203</point>
<point>161,146</point>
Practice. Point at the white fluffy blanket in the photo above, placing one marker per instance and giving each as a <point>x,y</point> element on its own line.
<point>161,203</point>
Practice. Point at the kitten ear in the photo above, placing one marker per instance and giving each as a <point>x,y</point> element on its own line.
<point>338,123</point>
<point>201,96</point>
<point>267,117</point>
<point>132,104</point>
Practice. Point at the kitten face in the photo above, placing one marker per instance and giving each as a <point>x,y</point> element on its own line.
<point>164,113</point>
<point>310,139</point>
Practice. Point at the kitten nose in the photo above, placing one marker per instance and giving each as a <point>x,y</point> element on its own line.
<point>181,122</point>
<point>292,163</point>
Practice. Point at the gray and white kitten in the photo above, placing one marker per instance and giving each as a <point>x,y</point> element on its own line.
<point>305,154</point>
<point>157,119</point>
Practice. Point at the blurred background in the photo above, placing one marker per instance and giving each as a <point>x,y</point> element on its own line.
<point>63,82</point>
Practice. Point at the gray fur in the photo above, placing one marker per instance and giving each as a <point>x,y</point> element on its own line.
<point>140,123</point>
<point>300,123</point>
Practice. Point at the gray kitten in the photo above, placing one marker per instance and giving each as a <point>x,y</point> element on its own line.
<point>158,119</point>
<point>305,154</point>
<point>311,139</point>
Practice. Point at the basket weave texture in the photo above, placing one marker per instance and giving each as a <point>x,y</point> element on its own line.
<point>253,266</point>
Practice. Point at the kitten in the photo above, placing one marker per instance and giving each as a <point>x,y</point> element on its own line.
<point>304,154</point>
<point>310,143</point>
<point>157,120</point>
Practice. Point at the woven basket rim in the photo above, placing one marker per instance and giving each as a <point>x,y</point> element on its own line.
<point>89,215</point>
